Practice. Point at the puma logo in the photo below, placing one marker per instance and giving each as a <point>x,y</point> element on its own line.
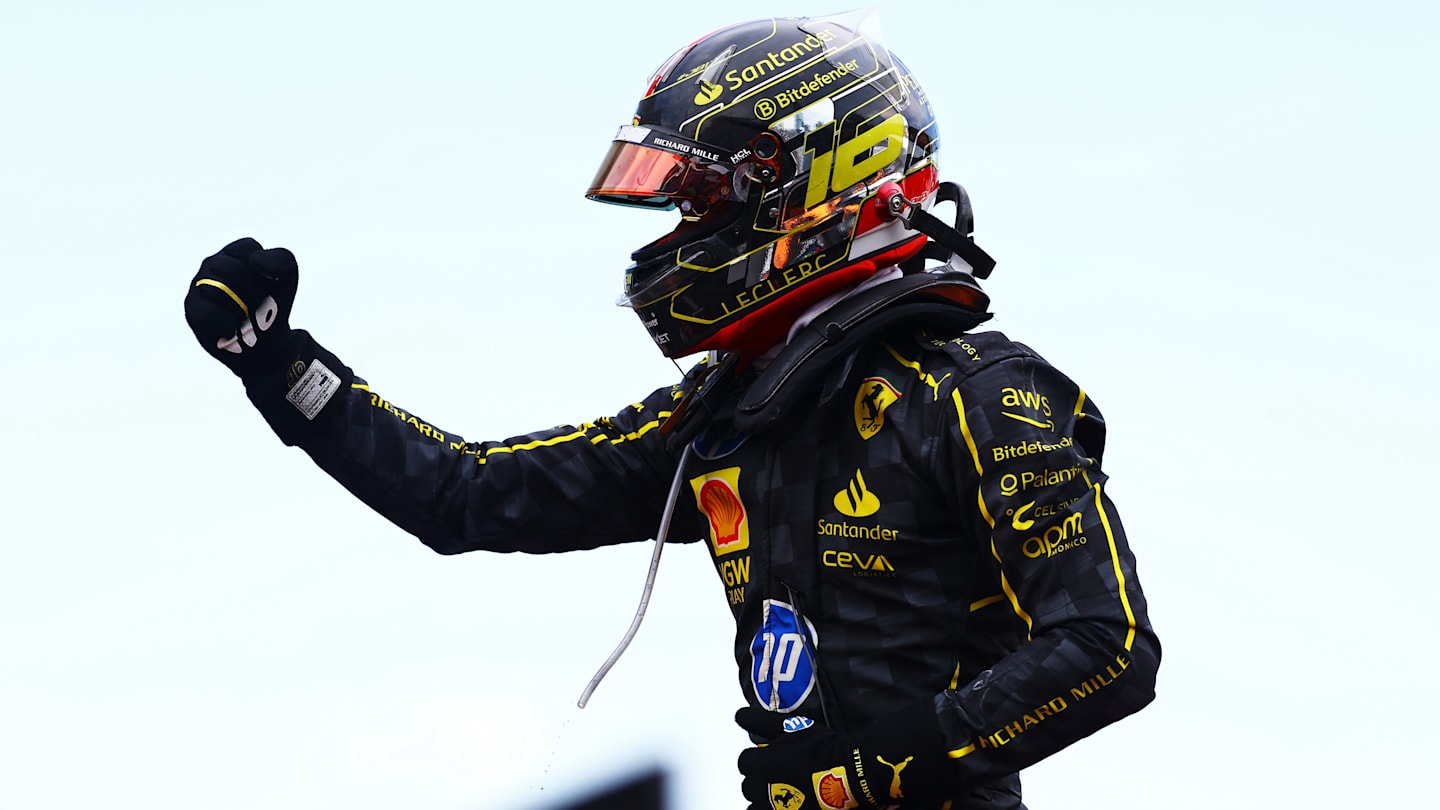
<point>895,777</point>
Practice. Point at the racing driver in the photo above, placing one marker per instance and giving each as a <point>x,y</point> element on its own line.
<point>931,587</point>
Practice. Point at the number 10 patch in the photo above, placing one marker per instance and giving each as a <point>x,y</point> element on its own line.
<point>782,671</point>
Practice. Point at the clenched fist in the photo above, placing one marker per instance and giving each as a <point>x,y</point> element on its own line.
<point>238,305</point>
<point>897,761</point>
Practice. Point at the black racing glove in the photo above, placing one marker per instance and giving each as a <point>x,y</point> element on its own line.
<point>898,761</point>
<point>238,305</point>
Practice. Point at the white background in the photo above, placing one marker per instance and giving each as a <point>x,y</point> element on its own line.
<point>1219,218</point>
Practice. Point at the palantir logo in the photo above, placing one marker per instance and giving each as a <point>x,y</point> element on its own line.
<point>781,670</point>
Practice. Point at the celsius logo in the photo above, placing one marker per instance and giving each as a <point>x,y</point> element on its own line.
<point>709,91</point>
<point>855,500</point>
<point>1022,519</point>
<point>781,670</point>
<point>1018,519</point>
<point>717,494</point>
<point>875,395</point>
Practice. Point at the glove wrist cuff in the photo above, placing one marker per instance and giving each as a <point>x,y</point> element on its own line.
<point>904,757</point>
<point>294,393</point>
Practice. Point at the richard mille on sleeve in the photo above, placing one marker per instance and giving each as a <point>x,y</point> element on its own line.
<point>564,488</point>
<point>1024,447</point>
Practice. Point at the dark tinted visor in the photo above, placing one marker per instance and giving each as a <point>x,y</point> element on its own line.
<point>646,169</point>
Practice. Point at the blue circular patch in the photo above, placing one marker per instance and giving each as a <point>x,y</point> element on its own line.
<point>781,669</point>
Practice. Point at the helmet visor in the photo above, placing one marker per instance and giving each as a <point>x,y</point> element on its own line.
<point>644,170</point>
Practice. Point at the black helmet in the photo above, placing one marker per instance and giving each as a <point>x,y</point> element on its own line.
<point>772,138</point>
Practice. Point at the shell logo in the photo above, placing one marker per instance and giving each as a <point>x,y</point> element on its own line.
<point>724,509</point>
<point>832,790</point>
<point>717,496</point>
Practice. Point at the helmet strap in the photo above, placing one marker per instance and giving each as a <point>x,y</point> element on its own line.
<point>956,239</point>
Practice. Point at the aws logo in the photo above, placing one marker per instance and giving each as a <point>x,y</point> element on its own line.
<point>875,395</point>
<point>1023,398</point>
<point>709,91</point>
<point>717,495</point>
<point>856,500</point>
<point>1029,401</point>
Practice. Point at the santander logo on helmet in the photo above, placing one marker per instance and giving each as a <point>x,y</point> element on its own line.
<point>769,137</point>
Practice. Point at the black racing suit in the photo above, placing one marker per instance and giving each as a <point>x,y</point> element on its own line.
<point>933,514</point>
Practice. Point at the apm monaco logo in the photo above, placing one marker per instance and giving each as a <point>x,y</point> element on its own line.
<point>717,495</point>
<point>875,395</point>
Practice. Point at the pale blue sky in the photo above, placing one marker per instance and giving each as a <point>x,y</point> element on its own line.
<point>1218,218</point>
